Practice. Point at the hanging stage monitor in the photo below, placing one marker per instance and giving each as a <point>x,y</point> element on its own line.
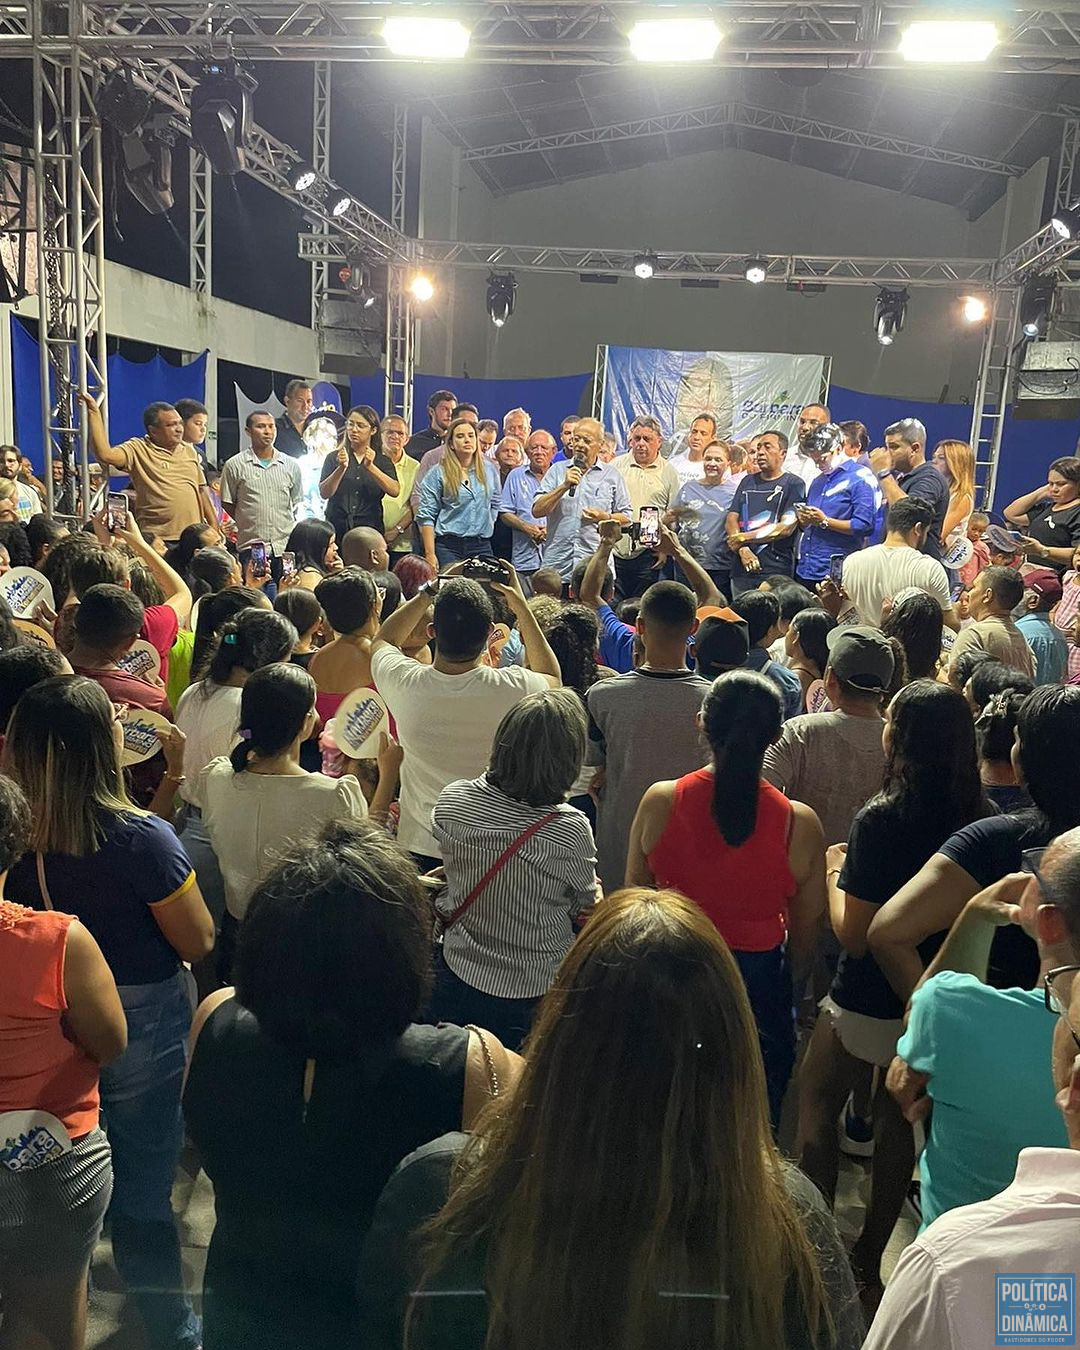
<point>747,392</point>
<point>1048,384</point>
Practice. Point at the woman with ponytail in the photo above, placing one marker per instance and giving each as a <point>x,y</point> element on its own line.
<point>573,636</point>
<point>258,802</point>
<point>752,860</point>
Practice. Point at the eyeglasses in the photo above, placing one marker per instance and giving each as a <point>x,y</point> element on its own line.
<point>1057,985</point>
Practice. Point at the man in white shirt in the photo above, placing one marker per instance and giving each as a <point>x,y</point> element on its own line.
<point>981,1275</point>
<point>261,488</point>
<point>798,460</point>
<point>874,575</point>
<point>447,713</point>
<point>688,464</point>
<point>650,481</point>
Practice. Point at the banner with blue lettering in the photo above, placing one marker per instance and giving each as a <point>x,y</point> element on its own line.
<point>746,392</point>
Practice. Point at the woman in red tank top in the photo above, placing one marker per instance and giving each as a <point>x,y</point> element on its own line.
<point>752,860</point>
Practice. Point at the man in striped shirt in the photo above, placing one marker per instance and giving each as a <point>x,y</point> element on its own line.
<point>261,488</point>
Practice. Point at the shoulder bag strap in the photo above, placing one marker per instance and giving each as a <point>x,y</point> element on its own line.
<point>496,867</point>
<point>45,896</point>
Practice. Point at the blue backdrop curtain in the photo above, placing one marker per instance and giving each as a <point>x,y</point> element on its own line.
<point>132,385</point>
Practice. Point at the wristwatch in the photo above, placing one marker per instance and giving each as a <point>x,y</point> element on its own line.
<point>886,473</point>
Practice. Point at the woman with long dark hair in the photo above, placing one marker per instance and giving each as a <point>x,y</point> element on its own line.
<point>215,611</point>
<point>916,621</point>
<point>358,475</point>
<point>751,859</point>
<point>314,546</point>
<point>931,788</point>
<point>573,635</point>
<point>805,645</point>
<point>124,874</point>
<point>628,1193</point>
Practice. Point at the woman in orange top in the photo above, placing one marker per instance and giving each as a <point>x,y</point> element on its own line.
<point>60,1019</point>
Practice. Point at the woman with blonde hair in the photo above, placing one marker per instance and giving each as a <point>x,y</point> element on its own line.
<point>651,1209</point>
<point>459,500</point>
<point>955,461</point>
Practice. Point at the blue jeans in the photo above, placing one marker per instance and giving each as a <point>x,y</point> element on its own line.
<point>140,1106</point>
<point>452,548</point>
<point>767,977</point>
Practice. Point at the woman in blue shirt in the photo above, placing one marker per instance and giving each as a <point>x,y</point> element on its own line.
<point>459,499</point>
<point>700,509</point>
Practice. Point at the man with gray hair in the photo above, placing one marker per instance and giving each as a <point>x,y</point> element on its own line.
<point>517,423</point>
<point>650,481</point>
<point>903,471</point>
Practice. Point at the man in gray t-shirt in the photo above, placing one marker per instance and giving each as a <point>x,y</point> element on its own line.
<point>834,761</point>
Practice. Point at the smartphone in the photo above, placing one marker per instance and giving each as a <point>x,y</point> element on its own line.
<point>117,511</point>
<point>288,566</point>
<point>260,563</point>
<point>649,526</point>
<point>836,569</point>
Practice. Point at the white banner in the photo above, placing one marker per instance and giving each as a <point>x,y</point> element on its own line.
<point>747,392</point>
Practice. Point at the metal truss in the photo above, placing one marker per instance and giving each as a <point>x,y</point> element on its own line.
<point>320,161</point>
<point>751,118</point>
<point>400,321</point>
<point>993,384</point>
<point>200,224</point>
<point>769,33</point>
<point>1066,190</point>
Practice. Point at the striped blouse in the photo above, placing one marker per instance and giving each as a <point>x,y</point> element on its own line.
<point>510,941</point>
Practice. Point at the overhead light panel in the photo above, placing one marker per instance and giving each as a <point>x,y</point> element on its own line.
<point>675,39</point>
<point>974,308</point>
<point>890,310</point>
<point>501,288</point>
<point>338,202</point>
<point>421,288</point>
<point>426,39</point>
<point>756,270</point>
<point>221,115</point>
<point>948,41</point>
<point>301,177</point>
<point>1066,222</point>
<point>1036,300</point>
<point>645,265</point>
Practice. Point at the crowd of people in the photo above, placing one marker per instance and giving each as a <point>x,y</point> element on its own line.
<point>521,883</point>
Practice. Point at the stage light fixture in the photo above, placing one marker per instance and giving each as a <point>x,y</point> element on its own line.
<point>675,39</point>
<point>421,288</point>
<point>426,39</point>
<point>501,288</point>
<point>338,202</point>
<point>1036,300</point>
<point>221,115</point>
<point>948,41</point>
<point>122,104</point>
<point>301,177</point>
<point>148,167</point>
<point>890,310</point>
<point>756,270</point>
<point>356,279</point>
<point>974,309</point>
<point>1066,222</point>
<point>645,265</point>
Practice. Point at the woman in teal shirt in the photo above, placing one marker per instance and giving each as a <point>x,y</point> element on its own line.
<point>459,500</point>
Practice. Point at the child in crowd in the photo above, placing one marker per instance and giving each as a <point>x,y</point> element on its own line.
<point>978,523</point>
<point>1065,616</point>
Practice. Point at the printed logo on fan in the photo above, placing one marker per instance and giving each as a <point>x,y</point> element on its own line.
<point>362,721</point>
<point>140,737</point>
<point>138,662</point>
<point>33,1148</point>
<point>25,593</point>
<point>1034,1309</point>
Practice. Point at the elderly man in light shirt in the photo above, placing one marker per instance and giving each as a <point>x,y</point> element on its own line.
<point>650,481</point>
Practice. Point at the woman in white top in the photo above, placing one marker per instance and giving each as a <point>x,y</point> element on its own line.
<point>259,802</point>
<point>955,461</point>
<point>500,953</point>
<point>209,716</point>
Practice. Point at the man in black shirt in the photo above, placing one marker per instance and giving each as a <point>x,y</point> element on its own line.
<point>761,524</point>
<point>903,471</point>
<point>441,407</point>
<point>298,404</point>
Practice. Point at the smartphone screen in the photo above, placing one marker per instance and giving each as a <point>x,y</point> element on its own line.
<point>288,566</point>
<point>260,567</point>
<point>649,523</point>
<point>836,569</point>
<point>117,512</point>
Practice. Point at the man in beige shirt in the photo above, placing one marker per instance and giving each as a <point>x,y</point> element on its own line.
<point>995,593</point>
<point>170,488</point>
<point>650,481</point>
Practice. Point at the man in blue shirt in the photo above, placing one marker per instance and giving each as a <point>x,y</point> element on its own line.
<point>518,494</point>
<point>1042,591</point>
<point>574,499</point>
<point>839,512</point>
<point>902,470</point>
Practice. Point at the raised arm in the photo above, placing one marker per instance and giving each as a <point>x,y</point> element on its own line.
<point>592,583</point>
<point>103,452</point>
<point>544,505</point>
<point>173,586</point>
<point>541,659</point>
<point>1019,511</point>
<point>700,581</point>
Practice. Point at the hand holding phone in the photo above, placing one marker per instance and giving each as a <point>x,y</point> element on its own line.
<point>649,526</point>
<point>260,562</point>
<point>836,569</point>
<point>116,516</point>
<point>288,566</point>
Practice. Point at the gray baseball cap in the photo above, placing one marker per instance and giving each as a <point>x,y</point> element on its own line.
<point>861,656</point>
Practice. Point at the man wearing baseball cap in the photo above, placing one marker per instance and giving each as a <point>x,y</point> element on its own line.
<point>721,642</point>
<point>834,761</point>
<point>1042,591</point>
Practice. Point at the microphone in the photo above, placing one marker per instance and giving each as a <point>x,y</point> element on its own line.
<point>579,463</point>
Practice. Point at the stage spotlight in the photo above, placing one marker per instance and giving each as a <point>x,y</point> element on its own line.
<point>948,41</point>
<point>675,39</point>
<point>421,288</point>
<point>426,39</point>
<point>221,114</point>
<point>1066,222</point>
<point>301,177</point>
<point>974,309</point>
<point>645,265</point>
<point>148,168</point>
<point>890,310</point>
<point>338,202</point>
<point>1036,299</point>
<point>355,278</point>
<point>501,288</point>
<point>122,104</point>
<point>756,270</point>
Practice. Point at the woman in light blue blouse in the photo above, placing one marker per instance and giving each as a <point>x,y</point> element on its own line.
<point>699,511</point>
<point>459,500</point>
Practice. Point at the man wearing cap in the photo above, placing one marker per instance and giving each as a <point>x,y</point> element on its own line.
<point>995,593</point>
<point>839,512</point>
<point>1042,591</point>
<point>721,643</point>
<point>1004,548</point>
<point>834,761</point>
